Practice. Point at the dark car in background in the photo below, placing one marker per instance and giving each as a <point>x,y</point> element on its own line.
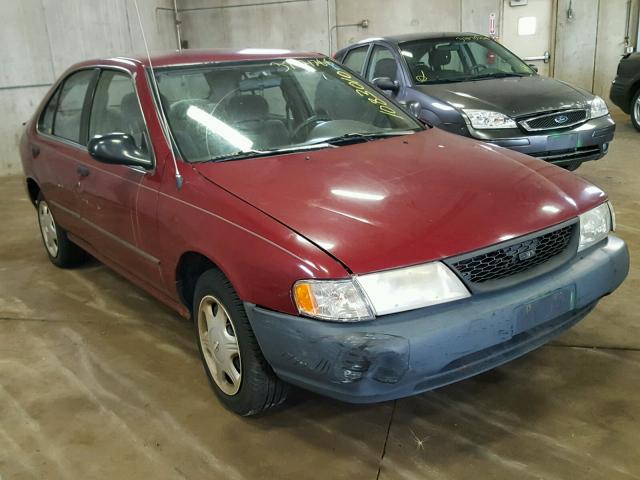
<point>473,86</point>
<point>625,89</point>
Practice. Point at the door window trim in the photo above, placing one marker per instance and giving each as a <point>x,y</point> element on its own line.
<point>365,63</point>
<point>132,77</point>
<point>58,89</point>
<point>403,68</point>
<point>86,111</point>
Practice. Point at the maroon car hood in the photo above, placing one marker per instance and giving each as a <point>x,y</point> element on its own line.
<point>407,200</point>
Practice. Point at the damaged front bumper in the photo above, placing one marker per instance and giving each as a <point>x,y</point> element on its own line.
<point>407,353</point>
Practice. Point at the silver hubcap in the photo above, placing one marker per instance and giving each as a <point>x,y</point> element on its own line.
<point>48,228</point>
<point>219,344</point>
<point>636,110</point>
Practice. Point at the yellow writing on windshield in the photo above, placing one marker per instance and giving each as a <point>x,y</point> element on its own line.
<point>361,90</point>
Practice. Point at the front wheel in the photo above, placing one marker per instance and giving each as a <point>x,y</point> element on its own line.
<point>635,111</point>
<point>61,251</point>
<point>237,371</point>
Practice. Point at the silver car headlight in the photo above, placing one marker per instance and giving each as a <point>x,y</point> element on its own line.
<point>485,119</point>
<point>366,296</point>
<point>595,225</point>
<point>598,107</point>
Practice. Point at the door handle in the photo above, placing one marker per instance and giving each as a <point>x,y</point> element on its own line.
<point>545,58</point>
<point>35,150</point>
<point>83,171</point>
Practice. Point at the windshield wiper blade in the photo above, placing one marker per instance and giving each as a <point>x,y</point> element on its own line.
<point>356,136</point>
<point>497,75</point>
<point>266,153</point>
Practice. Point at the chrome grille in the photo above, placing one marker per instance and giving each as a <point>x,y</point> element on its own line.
<point>555,120</point>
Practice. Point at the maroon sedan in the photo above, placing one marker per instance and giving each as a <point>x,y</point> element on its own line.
<point>316,233</point>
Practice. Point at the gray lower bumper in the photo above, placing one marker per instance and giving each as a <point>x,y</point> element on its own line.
<point>588,141</point>
<point>407,353</point>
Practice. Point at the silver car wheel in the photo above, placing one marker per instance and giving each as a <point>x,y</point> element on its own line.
<point>48,228</point>
<point>219,344</point>
<point>636,111</point>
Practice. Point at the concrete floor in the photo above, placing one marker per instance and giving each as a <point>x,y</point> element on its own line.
<point>97,380</point>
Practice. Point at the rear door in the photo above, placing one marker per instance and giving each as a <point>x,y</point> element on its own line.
<point>59,147</point>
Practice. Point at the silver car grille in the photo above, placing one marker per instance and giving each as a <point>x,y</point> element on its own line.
<point>555,120</point>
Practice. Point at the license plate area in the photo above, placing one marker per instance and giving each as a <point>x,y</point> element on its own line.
<point>562,142</point>
<point>543,309</point>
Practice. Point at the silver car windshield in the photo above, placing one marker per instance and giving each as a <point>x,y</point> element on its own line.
<point>251,109</point>
<point>459,59</point>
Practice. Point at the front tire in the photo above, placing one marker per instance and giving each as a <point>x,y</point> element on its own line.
<point>573,166</point>
<point>635,111</point>
<point>237,371</point>
<point>61,251</point>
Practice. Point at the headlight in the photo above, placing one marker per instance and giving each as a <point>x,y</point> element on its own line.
<point>484,119</point>
<point>365,296</point>
<point>598,107</point>
<point>595,225</point>
<point>340,301</point>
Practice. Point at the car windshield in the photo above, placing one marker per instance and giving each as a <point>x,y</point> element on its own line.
<point>256,108</point>
<point>460,59</point>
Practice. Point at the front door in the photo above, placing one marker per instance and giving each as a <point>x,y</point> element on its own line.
<point>526,31</point>
<point>118,202</point>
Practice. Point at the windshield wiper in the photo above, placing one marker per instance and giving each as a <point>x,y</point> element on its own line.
<point>444,80</point>
<point>242,154</point>
<point>496,75</point>
<point>355,137</point>
<point>332,142</point>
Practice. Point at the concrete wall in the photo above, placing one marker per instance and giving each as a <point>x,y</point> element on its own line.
<point>296,24</point>
<point>588,47</point>
<point>41,38</point>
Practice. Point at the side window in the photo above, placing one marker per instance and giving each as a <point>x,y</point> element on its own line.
<point>45,123</point>
<point>382,64</point>
<point>116,109</point>
<point>355,58</point>
<point>68,116</point>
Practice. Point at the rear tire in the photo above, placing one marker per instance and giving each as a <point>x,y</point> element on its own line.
<point>635,111</point>
<point>237,371</point>
<point>61,251</point>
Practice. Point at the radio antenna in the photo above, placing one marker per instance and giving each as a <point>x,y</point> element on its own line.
<point>163,118</point>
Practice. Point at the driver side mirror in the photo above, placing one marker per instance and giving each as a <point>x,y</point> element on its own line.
<point>118,149</point>
<point>533,67</point>
<point>386,84</point>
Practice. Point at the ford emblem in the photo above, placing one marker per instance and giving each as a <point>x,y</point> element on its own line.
<point>560,119</point>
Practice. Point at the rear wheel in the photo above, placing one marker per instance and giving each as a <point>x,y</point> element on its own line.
<point>635,111</point>
<point>237,371</point>
<point>61,251</point>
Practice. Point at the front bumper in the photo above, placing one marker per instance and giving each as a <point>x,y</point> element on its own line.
<point>411,352</point>
<point>620,95</point>
<point>588,141</point>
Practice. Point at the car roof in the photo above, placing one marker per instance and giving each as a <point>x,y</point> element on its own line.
<point>196,57</point>
<point>409,37</point>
